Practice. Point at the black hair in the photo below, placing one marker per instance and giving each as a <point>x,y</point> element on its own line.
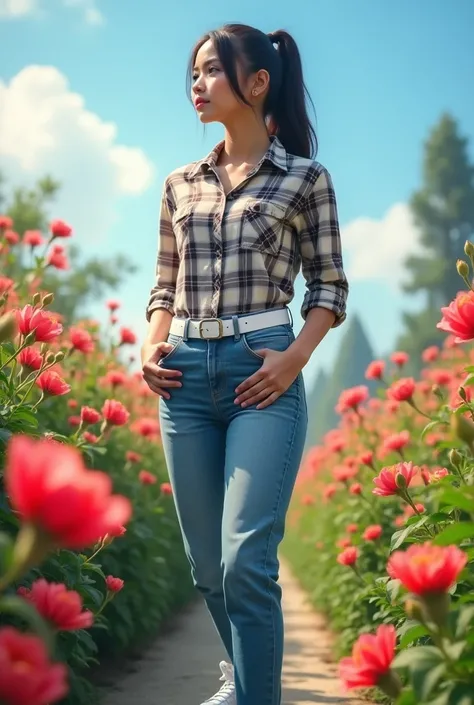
<point>278,54</point>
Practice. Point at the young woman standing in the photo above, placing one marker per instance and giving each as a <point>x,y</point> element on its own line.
<point>235,229</point>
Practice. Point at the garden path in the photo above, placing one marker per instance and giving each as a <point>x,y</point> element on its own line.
<point>181,667</point>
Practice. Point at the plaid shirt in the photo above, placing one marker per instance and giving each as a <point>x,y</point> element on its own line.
<point>221,255</point>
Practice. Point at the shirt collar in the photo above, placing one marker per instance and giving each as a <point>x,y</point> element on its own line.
<point>275,153</point>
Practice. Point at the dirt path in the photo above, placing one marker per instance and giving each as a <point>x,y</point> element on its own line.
<point>181,667</point>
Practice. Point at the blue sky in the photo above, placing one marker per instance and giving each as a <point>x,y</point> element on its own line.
<point>380,75</point>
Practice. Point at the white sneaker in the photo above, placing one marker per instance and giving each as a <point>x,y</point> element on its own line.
<point>226,694</point>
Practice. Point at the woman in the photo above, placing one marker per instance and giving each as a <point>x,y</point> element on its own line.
<point>235,228</point>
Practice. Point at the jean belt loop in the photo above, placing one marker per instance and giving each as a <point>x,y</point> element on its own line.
<point>291,316</point>
<point>235,323</point>
<point>185,329</point>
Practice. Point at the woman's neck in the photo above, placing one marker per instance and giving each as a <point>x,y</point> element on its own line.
<point>245,143</point>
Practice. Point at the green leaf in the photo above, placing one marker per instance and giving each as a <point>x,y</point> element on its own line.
<point>457,498</point>
<point>6,552</point>
<point>412,635</point>
<point>455,650</point>
<point>407,698</point>
<point>424,681</point>
<point>418,656</point>
<point>464,618</point>
<point>399,537</point>
<point>23,609</point>
<point>455,533</point>
<point>429,427</point>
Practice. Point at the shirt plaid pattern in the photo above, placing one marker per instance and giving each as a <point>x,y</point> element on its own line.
<point>222,255</point>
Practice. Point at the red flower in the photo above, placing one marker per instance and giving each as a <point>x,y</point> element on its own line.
<point>352,398</point>
<point>90,437</point>
<point>72,403</point>
<point>146,427</point>
<point>355,488</point>
<point>375,370</point>
<point>399,358</point>
<point>27,677</point>
<point>60,606</point>
<point>52,384</point>
<point>33,238</point>
<point>351,528</point>
<point>329,491</point>
<point>81,340</point>
<point>49,486</point>
<point>5,284</point>
<point>5,222</point>
<point>425,568</point>
<point>458,317</point>
<point>11,237</point>
<point>166,488</point>
<point>430,354</point>
<point>115,413</point>
<point>308,500</point>
<point>74,420</point>
<point>348,556</point>
<point>115,378</point>
<point>57,258</point>
<point>127,336</point>
<point>60,229</point>
<point>113,305</point>
<point>146,478</point>
<point>114,584</point>
<point>30,358</point>
<point>89,415</point>
<point>342,473</point>
<point>366,457</point>
<point>402,389</point>
<point>394,478</point>
<point>372,533</point>
<point>372,656</point>
<point>34,319</point>
<point>396,441</point>
<point>133,457</point>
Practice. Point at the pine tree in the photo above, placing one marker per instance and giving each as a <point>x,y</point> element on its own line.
<point>354,354</point>
<point>444,211</point>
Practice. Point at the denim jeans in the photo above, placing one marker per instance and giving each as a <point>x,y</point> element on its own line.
<point>233,470</point>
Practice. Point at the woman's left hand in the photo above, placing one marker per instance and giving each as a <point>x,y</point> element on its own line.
<point>278,371</point>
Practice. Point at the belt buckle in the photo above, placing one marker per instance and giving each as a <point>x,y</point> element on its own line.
<point>211,320</point>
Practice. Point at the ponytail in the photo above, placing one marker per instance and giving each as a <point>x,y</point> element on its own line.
<point>285,104</point>
<point>288,110</point>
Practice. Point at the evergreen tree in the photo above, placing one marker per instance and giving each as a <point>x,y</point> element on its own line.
<point>444,211</point>
<point>355,353</point>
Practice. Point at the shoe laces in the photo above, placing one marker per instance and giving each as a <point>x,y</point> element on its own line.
<point>227,690</point>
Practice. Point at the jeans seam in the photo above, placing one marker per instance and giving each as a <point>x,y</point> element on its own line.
<point>287,464</point>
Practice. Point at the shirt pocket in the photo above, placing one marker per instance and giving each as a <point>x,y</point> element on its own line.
<point>181,225</point>
<point>262,226</point>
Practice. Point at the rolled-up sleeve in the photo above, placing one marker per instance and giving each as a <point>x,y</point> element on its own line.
<point>320,249</point>
<point>163,293</point>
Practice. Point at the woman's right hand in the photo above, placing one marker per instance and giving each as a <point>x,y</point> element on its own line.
<point>158,378</point>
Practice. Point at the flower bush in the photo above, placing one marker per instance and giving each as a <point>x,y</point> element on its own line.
<point>91,557</point>
<point>381,527</point>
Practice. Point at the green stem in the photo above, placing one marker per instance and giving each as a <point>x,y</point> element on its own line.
<point>17,352</point>
<point>409,501</point>
<point>414,406</point>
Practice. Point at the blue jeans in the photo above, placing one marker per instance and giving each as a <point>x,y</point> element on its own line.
<point>233,470</point>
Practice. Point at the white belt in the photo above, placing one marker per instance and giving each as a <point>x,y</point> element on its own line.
<point>215,328</point>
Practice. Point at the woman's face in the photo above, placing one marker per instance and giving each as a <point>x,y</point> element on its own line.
<point>212,94</point>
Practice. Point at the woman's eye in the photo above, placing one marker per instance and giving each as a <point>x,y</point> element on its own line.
<point>212,69</point>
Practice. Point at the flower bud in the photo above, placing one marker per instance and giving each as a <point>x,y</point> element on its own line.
<point>36,299</point>
<point>47,299</point>
<point>469,248</point>
<point>50,358</point>
<point>462,393</point>
<point>463,268</point>
<point>462,428</point>
<point>400,481</point>
<point>59,356</point>
<point>30,338</point>
<point>435,606</point>
<point>414,609</point>
<point>455,458</point>
<point>8,327</point>
<point>390,684</point>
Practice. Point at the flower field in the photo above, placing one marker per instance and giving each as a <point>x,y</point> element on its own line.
<point>381,530</point>
<point>91,559</point>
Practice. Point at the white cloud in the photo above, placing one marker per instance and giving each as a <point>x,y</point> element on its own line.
<point>16,9</point>
<point>377,249</point>
<point>46,128</point>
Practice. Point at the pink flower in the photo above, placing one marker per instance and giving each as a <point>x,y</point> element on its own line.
<point>114,584</point>
<point>30,358</point>
<point>127,336</point>
<point>51,489</point>
<point>458,317</point>
<point>399,358</point>
<point>81,340</point>
<point>146,478</point>
<point>27,676</point>
<point>372,656</point>
<point>166,488</point>
<point>391,480</point>
<point>61,607</point>
<point>355,488</point>
<point>5,222</point>
<point>33,238</point>
<point>348,556</point>
<point>425,568</point>
<point>89,415</point>
<point>31,319</point>
<point>372,533</point>
<point>60,229</point>
<point>375,370</point>
<point>350,399</point>
<point>52,384</point>
<point>115,413</point>
<point>402,390</point>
